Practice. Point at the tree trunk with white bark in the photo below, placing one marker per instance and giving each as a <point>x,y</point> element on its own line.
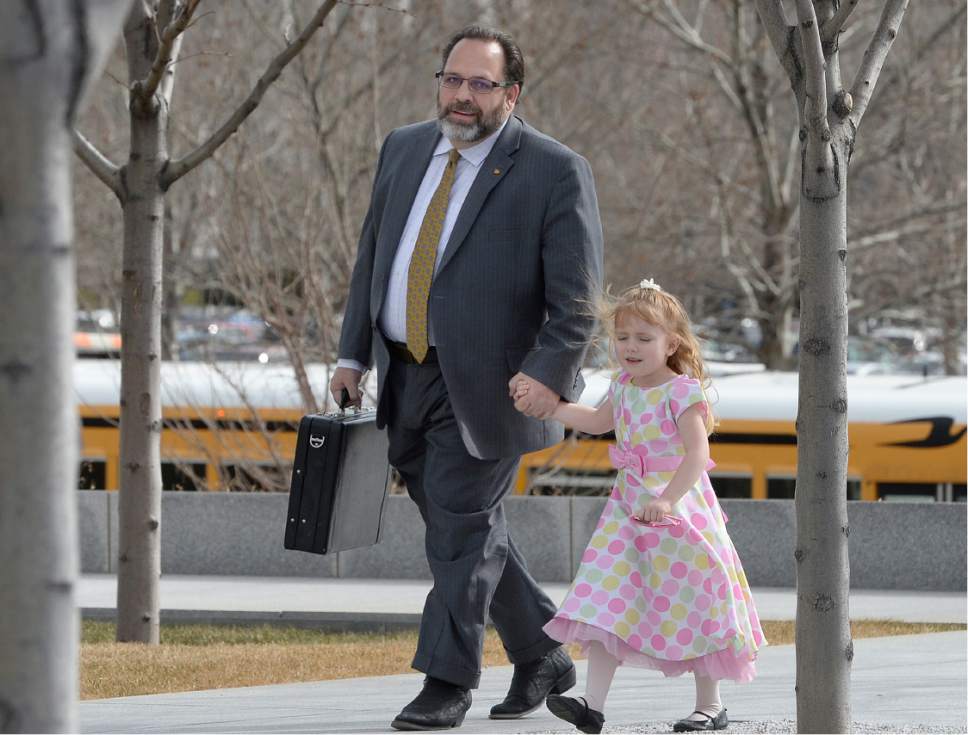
<point>49,51</point>
<point>153,34</point>
<point>823,642</point>
<point>143,205</point>
<point>829,118</point>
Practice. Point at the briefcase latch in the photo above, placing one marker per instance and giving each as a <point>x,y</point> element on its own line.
<point>316,441</point>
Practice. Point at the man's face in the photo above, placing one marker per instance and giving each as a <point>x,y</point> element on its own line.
<point>464,117</point>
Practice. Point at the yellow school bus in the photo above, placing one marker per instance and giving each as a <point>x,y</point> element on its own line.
<point>906,438</point>
<point>225,426</point>
<point>231,426</point>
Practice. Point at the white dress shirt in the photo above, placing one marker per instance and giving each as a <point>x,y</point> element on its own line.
<point>393,316</point>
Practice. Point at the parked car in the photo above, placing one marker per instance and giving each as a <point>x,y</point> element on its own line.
<point>907,341</point>
<point>96,335</point>
<point>866,356</point>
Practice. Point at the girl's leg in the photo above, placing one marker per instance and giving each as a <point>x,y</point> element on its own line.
<point>707,697</point>
<point>601,670</point>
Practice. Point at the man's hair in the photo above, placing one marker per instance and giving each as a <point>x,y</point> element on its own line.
<point>513,58</point>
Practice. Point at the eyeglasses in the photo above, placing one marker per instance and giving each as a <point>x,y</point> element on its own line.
<point>475,84</point>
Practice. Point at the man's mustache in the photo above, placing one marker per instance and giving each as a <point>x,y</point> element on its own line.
<point>465,108</point>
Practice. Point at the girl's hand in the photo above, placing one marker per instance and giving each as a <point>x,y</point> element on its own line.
<point>521,390</point>
<point>537,401</point>
<point>654,511</point>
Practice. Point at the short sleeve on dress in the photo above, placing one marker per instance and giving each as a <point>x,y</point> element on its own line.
<point>618,379</point>
<point>686,392</point>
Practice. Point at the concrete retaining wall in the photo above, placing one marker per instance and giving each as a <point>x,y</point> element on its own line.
<point>906,546</point>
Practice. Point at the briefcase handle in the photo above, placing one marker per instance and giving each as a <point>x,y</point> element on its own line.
<point>344,398</point>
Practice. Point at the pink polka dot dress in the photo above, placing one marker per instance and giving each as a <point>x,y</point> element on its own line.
<point>668,597</point>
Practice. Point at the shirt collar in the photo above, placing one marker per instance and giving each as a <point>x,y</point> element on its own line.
<point>476,154</point>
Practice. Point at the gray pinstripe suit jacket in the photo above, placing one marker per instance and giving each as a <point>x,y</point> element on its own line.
<point>524,254</point>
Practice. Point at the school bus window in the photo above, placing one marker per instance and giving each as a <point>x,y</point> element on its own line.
<point>733,486</point>
<point>785,488</point>
<point>853,489</point>
<point>782,488</point>
<point>949,492</point>
<point>254,477</point>
<point>557,481</point>
<point>911,492</point>
<point>183,476</point>
<point>92,475</point>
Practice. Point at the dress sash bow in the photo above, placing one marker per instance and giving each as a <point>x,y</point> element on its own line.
<point>642,465</point>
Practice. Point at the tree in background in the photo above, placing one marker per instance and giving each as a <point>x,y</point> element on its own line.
<point>153,35</point>
<point>908,258</point>
<point>287,229</point>
<point>743,147</point>
<point>656,112</point>
<point>49,54</point>
<point>830,115</point>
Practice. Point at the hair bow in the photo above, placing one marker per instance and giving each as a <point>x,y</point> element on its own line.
<point>648,283</point>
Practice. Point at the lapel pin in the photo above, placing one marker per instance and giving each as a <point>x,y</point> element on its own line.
<point>497,172</point>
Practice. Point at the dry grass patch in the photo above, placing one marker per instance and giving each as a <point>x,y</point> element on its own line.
<point>214,657</point>
<point>194,657</point>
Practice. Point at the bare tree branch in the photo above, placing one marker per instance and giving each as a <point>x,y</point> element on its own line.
<point>856,244</point>
<point>951,23</point>
<point>686,32</point>
<point>833,25</point>
<point>780,34</point>
<point>539,75</point>
<point>924,210</point>
<point>145,90</point>
<point>818,154</point>
<point>692,40</point>
<point>98,163</point>
<point>792,161</point>
<point>762,143</point>
<point>815,104</point>
<point>874,57</point>
<point>176,169</point>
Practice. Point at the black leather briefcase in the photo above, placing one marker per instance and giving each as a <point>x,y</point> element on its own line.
<point>339,483</point>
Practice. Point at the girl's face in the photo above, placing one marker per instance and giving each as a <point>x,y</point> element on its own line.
<point>643,348</point>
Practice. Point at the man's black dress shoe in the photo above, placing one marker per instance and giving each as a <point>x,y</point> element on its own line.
<point>532,682</point>
<point>719,722</point>
<point>577,712</point>
<point>439,706</point>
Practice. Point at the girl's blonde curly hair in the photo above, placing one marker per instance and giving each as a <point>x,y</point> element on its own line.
<point>663,310</point>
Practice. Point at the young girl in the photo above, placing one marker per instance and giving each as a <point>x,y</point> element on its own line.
<point>660,584</point>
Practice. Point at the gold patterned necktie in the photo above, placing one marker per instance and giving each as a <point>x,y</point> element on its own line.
<point>424,259</point>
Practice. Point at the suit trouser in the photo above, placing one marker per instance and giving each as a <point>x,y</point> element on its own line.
<point>475,565</point>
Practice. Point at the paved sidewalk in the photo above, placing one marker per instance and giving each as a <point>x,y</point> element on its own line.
<point>899,684</point>
<point>372,602</point>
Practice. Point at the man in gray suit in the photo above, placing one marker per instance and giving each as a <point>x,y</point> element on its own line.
<point>480,250</point>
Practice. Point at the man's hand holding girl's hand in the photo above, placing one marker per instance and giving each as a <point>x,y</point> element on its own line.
<point>531,397</point>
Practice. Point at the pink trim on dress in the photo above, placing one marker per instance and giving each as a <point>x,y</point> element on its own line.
<point>644,464</point>
<point>723,664</point>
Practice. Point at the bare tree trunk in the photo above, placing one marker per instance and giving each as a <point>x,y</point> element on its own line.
<point>829,118</point>
<point>143,207</point>
<point>153,35</point>
<point>824,646</point>
<point>49,52</point>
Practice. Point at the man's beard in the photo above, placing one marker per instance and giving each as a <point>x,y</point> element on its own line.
<point>472,131</point>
